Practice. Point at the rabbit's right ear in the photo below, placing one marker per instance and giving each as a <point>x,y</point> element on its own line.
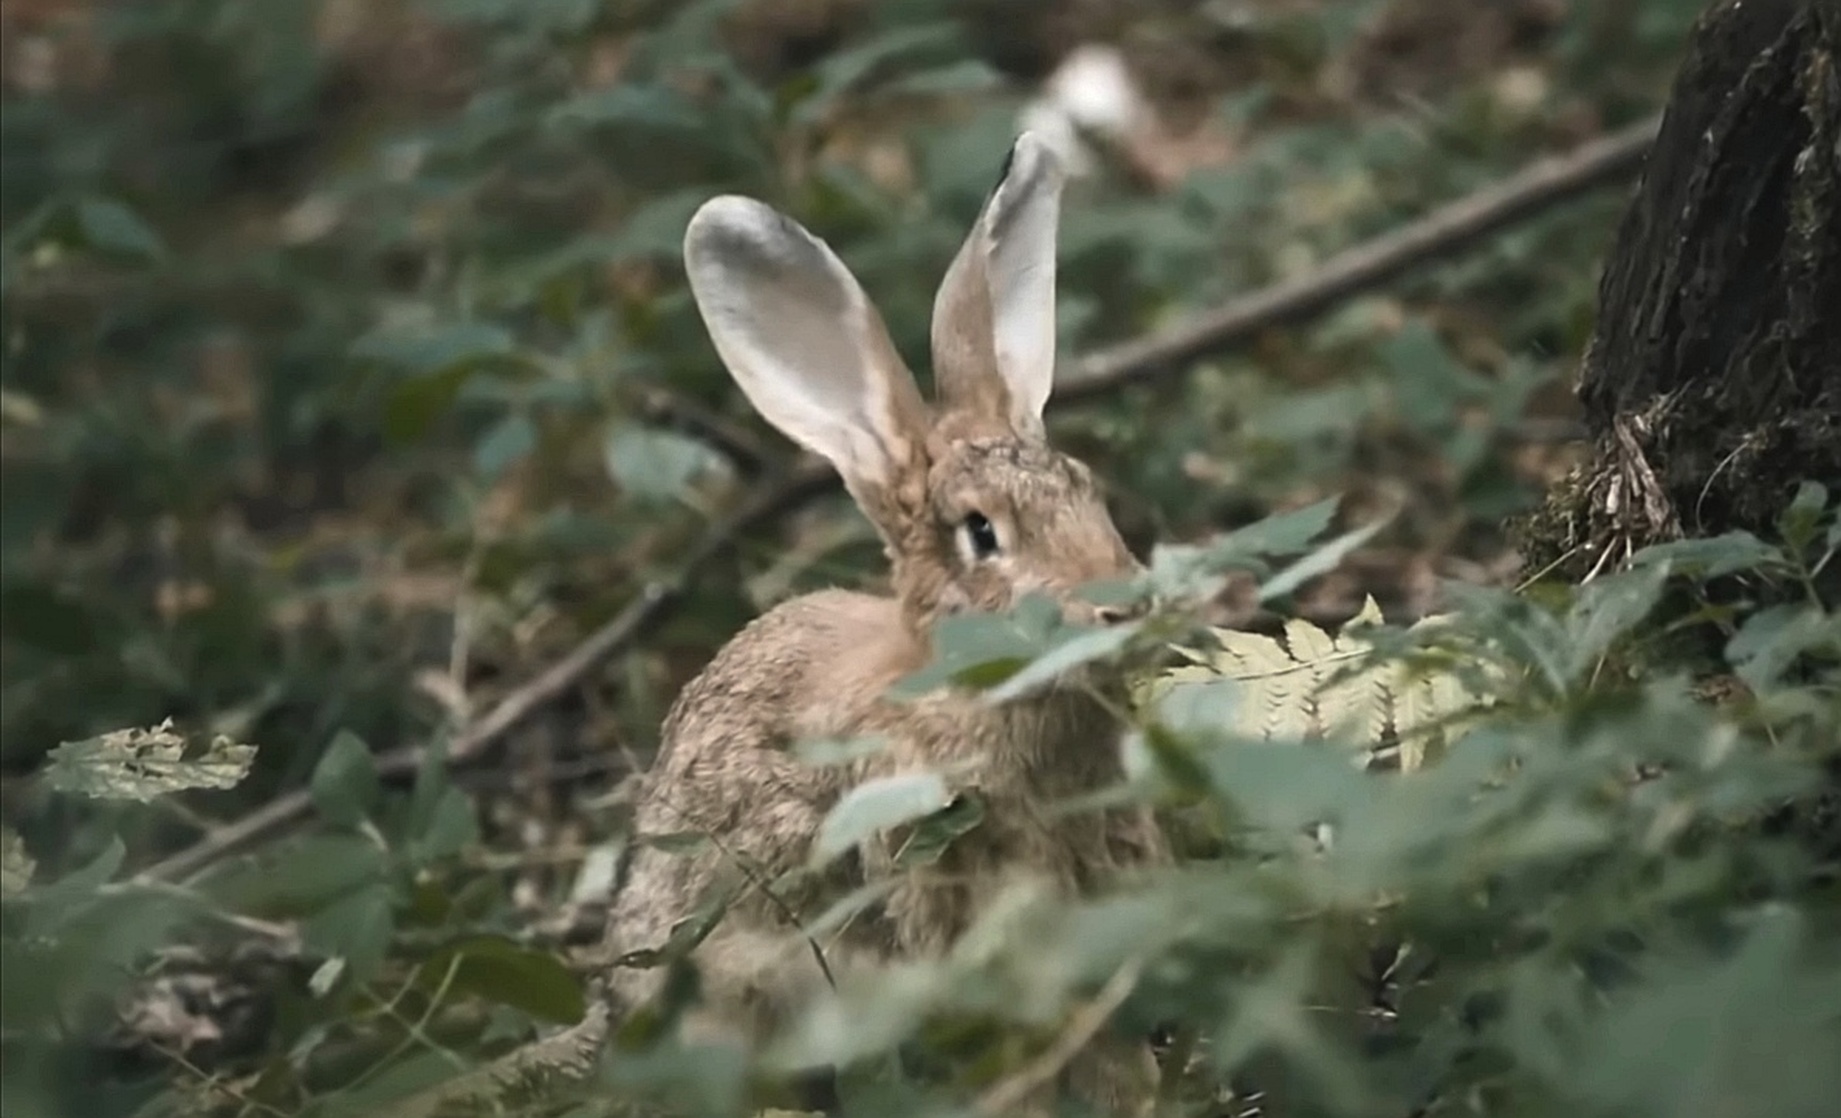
<point>994,315</point>
<point>802,340</point>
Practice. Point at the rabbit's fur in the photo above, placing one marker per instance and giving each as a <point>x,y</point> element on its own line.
<point>812,355</point>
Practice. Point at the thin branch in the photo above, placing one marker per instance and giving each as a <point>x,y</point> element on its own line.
<point>652,603</point>
<point>735,441</point>
<point>1011,1091</point>
<point>1444,231</point>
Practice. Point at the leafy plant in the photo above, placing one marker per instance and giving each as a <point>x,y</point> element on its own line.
<point>352,396</point>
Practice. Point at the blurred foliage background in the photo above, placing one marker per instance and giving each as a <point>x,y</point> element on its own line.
<point>350,379</point>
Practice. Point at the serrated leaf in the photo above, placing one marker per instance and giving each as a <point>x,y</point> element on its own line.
<point>1316,684</point>
<point>145,764</point>
<point>876,805</point>
<point>1350,695</point>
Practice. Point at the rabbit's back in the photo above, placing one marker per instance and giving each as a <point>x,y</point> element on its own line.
<point>726,778</point>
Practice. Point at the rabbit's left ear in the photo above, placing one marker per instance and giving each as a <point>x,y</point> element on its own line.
<point>994,315</point>
<point>803,342</point>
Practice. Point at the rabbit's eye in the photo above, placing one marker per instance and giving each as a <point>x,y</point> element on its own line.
<point>980,535</point>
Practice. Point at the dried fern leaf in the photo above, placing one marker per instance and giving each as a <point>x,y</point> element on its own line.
<point>1315,684</point>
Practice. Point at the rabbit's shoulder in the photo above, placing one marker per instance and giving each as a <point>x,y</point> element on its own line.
<point>811,666</point>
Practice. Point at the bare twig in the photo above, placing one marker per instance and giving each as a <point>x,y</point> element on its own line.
<point>653,601</point>
<point>1008,1093</point>
<point>1366,266</point>
<point>735,441</point>
<point>1439,234</point>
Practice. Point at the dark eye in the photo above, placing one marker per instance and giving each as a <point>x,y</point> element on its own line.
<point>980,534</point>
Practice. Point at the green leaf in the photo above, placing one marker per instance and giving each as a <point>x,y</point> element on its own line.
<point>656,465</point>
<point>47,619</point>
<point>145,764</point>
<point>983,649</point>
<point>16,865</point>
<point>1173,759</point>
<point>652,107</point>
<point>1712,557</point>
<point>1188,570</point>
<point>112,228</point>
<point>430,788</point>
<point>1608,608</point>
<point>501,971</point>
<point>1319,562</point>
<point>844,70</point>
<point>447,347</point>
<point>294,879</point>
<point>390,1092</point>
<point>931,837</point>
<point>505,443</point>
<point>1803,517</point>
<point>344,786</point>
<point>876,805</point>
<point>435,362</point>
<point>57,902</point>
<point>1771,640</point>
<point>357,928</point>
<point>968,75</point>
<point>1077,646</point>
<point>1428,382</point>
<point>451,829</point>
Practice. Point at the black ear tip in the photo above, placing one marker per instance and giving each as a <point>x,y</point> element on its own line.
<point>1004,171</point>
<point>1030,157</point>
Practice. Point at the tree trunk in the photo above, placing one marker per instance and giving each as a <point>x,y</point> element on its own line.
<point>1713,382</point>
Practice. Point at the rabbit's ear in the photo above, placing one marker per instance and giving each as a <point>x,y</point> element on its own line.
<point>802,340</point>
<point>994,316</point>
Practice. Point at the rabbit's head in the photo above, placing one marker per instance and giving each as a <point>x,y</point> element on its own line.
<point>975,508</point>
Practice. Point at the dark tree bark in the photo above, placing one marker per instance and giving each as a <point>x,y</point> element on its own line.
<point>1713,382</point>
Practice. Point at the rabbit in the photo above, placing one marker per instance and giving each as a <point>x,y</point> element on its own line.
<point>975,510</point>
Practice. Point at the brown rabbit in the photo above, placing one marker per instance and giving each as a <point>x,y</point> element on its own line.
<point>975,510</point>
